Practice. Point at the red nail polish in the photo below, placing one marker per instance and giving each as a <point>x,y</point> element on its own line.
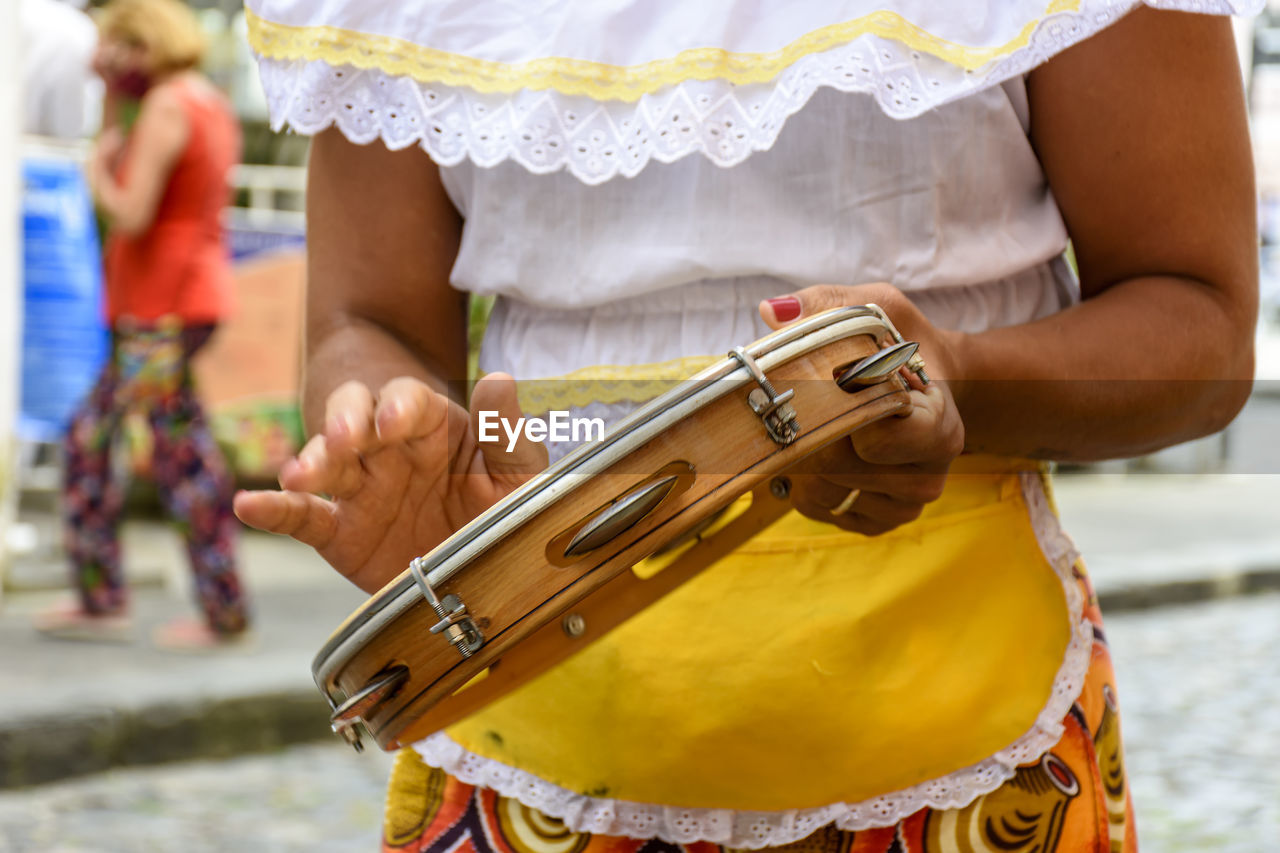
<point>785,308</point>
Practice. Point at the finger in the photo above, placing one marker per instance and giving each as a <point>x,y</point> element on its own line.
<point>787,308</point>
<point>839,464</point>
<point>408,409</point>
<point>868,525</point>
<point>909,483</point>
<point>348,416</point>
<point>815,495</point>
<point>874,513</point>
<point>891,496</point>
<point>304,517</point>
<point>870,513</point>
<point>495,398</point>
<point>319,468</point>
<point>906,483</point>
<point>929,435</point>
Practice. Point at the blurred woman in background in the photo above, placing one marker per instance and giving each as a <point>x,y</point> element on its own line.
<point>159,176</point>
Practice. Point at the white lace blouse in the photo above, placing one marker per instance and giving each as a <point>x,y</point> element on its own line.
<point>952,207</point>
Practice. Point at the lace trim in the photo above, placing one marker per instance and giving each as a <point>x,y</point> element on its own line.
<point>754,829</point>
<point>339,46</point>
<point>547,130</point>
<point>607,383</point>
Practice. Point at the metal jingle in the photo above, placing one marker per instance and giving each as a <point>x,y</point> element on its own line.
<point>875,368</point>
<point>621,516</point>
<point>353,711</point>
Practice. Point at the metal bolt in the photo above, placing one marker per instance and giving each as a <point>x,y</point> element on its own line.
<point>574,625</point>
<point>780,488</point>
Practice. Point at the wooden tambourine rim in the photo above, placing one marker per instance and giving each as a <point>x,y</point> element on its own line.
<point>558,481</point>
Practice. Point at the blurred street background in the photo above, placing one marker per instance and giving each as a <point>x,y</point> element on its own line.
<point>126,747</point>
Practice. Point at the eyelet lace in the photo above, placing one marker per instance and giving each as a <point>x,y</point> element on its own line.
<point>544,130</point>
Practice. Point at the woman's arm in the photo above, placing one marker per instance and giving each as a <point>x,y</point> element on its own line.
<point>392,450</point>
<point>1143,135</point>
<point>382,236</point>
<point>156,141</point>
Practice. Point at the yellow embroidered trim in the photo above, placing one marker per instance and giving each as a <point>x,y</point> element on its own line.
<point>607,383</point>
<point>602,81</point>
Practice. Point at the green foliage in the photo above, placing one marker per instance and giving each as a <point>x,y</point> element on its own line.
<point>480,308</point>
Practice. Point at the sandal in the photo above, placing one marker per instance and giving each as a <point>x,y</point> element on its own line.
<point>195,635</point>
<point>68,620</point>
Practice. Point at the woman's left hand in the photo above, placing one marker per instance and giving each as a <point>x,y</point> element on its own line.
<point>893,467</point>
<point>107,148</point>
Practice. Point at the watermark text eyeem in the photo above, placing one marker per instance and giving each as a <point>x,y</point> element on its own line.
<point>557,426</point>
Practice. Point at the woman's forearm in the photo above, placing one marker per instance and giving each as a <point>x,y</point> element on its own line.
<point>156,141</point>
<point>1145,364</point>
<point>344,348</point>
<point>110,197</point>
<point>379,303</point>
<point>1160,205</point>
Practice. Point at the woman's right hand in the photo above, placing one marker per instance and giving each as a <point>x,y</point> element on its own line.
<point>103,159</point>
<point>392,475</point>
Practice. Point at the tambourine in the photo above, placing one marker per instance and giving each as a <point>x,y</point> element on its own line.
<point>546,570</point>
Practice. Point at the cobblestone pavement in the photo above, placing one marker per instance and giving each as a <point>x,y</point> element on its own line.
<point>1200,687</point>
<point>1200,696</point>
<point>319,799</point>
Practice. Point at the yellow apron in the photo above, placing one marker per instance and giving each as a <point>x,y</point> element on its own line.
<point>811,667</point>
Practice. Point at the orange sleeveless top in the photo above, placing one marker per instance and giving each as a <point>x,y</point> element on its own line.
<point>180,265</point>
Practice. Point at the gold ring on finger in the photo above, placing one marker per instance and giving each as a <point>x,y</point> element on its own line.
<point>846,504</point>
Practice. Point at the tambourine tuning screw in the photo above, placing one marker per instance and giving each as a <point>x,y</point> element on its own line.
<point>780,488</point>
<point>574,625</point>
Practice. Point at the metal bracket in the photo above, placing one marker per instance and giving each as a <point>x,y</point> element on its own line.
<point>774,409</point>
<point>455,623</point>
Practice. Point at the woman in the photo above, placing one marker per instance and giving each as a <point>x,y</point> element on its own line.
<point>847,680</point>
<point>159,176</point>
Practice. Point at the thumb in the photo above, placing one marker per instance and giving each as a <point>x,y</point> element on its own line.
<point>498,423</point>
<point>782,310</point>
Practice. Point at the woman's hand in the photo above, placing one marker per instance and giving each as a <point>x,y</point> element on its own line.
<point>103,159</point>
<point>893,467</point>
<point>156,142</point>
<point>108,147</point>
<point>392,475</point>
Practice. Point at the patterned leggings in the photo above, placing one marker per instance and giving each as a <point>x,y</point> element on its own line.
<point>190,474</point>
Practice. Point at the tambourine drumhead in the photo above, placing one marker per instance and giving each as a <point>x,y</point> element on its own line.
<point>544,571</point>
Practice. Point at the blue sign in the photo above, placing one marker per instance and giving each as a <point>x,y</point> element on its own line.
<point>64,338</point>
<point>248,236</point>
